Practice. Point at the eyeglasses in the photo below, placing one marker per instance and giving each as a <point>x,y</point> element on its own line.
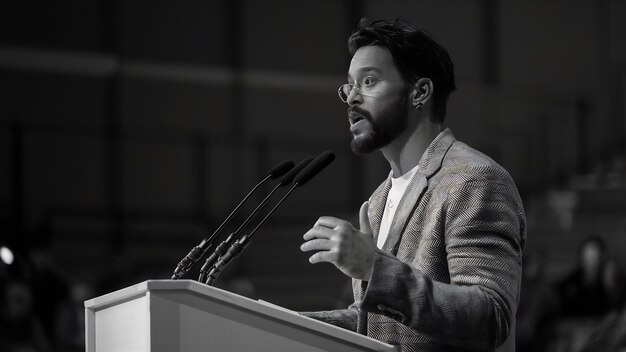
<point>366,87</point>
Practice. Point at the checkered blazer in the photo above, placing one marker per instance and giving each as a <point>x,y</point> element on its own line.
<point>448,276</point>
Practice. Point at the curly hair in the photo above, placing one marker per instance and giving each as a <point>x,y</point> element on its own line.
<point>415,53</point>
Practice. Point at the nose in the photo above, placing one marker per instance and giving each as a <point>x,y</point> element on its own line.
<point>354,96</point>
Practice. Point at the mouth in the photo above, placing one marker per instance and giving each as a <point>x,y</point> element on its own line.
<point>357,123</point>
<point>354,118</point>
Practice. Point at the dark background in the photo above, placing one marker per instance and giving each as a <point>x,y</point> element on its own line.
<point>129,129</point>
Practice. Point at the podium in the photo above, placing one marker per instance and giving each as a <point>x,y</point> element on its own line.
<point>185,315</point>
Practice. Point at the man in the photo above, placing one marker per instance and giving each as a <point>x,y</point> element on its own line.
<point>437,260</point>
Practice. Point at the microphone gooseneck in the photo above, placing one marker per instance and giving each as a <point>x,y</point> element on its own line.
<point>198,251</point>
<point>233,237</point>
<point>238,246</point>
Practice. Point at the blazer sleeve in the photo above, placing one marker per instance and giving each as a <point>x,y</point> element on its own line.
<point>344,318</point>
<point>484,228</point>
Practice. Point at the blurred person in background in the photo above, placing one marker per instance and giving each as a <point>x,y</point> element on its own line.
<point>610,335</point>
<point>613,278</point>
<point>69,330</point>
<point>584,292</point>
<point>436,262</point>
<point>21,330</point>
<point>591,301</point>
<point>50,286</point>
<point>538,306</point>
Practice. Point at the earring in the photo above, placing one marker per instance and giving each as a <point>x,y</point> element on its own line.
<point>419,106</point>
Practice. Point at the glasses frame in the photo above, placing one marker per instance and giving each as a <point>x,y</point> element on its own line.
<point>358,87</point>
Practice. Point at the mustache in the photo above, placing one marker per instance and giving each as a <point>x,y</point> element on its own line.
<point>355,110</point>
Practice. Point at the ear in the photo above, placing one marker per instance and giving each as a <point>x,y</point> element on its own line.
<point>422,91</point>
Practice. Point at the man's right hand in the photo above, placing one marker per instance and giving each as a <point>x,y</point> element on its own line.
<point>351,250</point>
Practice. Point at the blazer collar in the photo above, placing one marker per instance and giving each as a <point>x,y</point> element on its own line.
<point>429,163</point>
<point>432,158</point>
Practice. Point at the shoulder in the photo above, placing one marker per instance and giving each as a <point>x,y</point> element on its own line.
<point>463,163</point>
<point>468,174</point>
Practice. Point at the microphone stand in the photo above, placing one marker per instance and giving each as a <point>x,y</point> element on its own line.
<point>240,245</point>
<point>219,250</point>
<point>198,251</point>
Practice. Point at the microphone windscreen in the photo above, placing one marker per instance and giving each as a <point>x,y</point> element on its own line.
<point>317,165</point>
<point>295,171</point>
<point>280,169</point>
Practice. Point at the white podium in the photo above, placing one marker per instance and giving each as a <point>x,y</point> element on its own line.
<point>185,315</point>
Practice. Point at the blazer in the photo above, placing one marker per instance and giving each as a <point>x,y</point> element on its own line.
<point>448,276</point>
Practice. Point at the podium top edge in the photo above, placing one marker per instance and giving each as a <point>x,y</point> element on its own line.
<point>140,289</point>
<point>143,288</point>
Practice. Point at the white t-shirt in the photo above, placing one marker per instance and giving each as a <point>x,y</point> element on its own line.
<point>398,187</point>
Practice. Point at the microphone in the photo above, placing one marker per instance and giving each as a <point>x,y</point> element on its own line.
<point>221,249</point>
<point>314,168</point>
<point>291,175</point>
<point>236,248</point>
<point>198,251</point>
<point>280,169</point>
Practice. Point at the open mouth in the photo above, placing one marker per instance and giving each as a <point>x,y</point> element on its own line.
<point>354,118</point>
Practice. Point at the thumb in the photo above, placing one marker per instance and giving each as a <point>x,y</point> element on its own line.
<point>364,221</point>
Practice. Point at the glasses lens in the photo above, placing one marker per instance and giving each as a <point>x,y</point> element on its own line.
<point>344,91</point>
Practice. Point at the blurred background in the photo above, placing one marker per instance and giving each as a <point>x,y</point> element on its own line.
<point>130,129</point>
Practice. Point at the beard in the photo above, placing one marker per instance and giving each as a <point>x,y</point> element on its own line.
<point>392,121</point>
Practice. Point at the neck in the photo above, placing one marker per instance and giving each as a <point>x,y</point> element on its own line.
<point>405,152</point>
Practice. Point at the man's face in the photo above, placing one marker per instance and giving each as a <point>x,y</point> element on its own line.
<point>380,113</point>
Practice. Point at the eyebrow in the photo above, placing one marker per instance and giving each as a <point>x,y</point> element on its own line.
<point>366,69</point>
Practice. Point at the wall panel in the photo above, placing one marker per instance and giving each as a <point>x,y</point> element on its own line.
<point>550,46</point>
<point>173,104</point>
<point>158,177</point>
<point>188,31</point>
<point>294,35</point>
<point>62,171</point>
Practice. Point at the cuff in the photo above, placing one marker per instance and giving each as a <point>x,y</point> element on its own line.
<point>386,292</point>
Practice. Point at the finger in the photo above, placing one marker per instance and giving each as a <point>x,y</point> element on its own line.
<point>364,221</point>
<point>316,245</point>
<point>318,232</point>
<point>329,222</point>
<point>323,256</point>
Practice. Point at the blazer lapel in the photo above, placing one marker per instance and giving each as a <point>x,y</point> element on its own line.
<point>377,206</point>
<point>405,209</point>
<point>429,163</point>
